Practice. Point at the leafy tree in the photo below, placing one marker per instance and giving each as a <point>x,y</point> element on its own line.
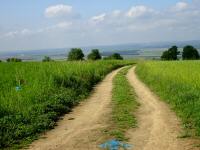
<point>170,54</point>
<point>117,56</point>
<point>13,60</point>
<point>0,60</point>
<point>94,55</point>
<point>165,55</point>
<point>190,53</point>
<point>114,56</point>
<point>75,54</point>
<point>46,59</point>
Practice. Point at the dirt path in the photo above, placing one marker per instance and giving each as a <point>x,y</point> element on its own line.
<point>158,126</point>
<point>81,129</point>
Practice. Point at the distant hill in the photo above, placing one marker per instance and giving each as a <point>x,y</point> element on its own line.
<point>133,49</point>
<point>122,52</point>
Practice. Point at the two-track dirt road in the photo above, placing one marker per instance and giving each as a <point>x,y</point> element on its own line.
<point>158,127</point>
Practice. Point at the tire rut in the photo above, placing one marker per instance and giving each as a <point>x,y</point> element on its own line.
<point>158,127</point>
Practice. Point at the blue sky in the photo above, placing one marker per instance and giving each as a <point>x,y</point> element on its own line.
<point>37,24</point>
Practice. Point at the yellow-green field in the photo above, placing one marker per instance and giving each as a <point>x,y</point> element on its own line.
<point>178,83</point>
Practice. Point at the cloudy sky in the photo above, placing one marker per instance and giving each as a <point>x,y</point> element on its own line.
<point>39,24</point>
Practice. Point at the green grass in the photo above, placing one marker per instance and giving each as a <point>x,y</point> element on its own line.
<point>177,83</point>
<point>124,106</point>
<point>49,90</point>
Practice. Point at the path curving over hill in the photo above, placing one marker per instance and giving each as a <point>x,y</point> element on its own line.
<point>158,127</point>
<point>82,128</point>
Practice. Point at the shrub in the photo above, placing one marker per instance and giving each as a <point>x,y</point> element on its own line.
<point>114,56</point>
<point>170,54</point>
<point>13,60</point>
<point>75,54</point>
<point>46,59</point>
<point>189,53</point>
<point>94,55</point>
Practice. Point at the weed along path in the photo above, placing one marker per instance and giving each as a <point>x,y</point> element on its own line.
<point>158,127</point>
<point>82,128</point>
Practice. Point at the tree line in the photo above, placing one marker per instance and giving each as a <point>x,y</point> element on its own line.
<point>77,54</point>
<point>189,53</point>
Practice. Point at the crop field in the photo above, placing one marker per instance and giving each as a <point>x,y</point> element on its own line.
<point>177,83</point>
<point>33,95</point>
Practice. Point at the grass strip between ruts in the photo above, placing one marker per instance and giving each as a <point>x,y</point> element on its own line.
<point>124,105</point>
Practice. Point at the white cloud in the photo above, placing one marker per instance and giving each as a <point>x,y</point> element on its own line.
<point>25,32</point>
<point>13,34</point>
<point>64,25</point>
<point>139,23</point>
<point>99,18</point>
<point>61,25</point>
<point>137,11</point>
<point>180,6</point>
<point>142,21</point>
<point>116,13</point>
<point>58,10</point>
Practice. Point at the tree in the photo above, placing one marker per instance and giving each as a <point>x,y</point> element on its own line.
<point>13,60</point>
<point>165,55</point>
<point>190,53</point>
<point>170,54</point>
<point>94,55</point>
<point>0,60</point>
<point>75,54</point>
<point>46,59</point>
<point>114,56</point>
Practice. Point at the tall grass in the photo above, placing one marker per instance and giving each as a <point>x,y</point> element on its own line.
<point>178,83</point>
<point>45,92</point>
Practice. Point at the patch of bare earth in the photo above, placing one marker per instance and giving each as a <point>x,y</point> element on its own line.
<point>158,127</point>
<point>82,128</point>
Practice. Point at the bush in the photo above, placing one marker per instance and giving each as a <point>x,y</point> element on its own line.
<point>94,55</point>
<point>46,59</point>
<point>75,54</point>
<point>114,56</point>
<point>13,60</point>
<point>190,53</point>
<point>170,54</point>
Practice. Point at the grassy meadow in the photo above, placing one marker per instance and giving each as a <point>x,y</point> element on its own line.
<point>177,83</point>
<point>33,94</point>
